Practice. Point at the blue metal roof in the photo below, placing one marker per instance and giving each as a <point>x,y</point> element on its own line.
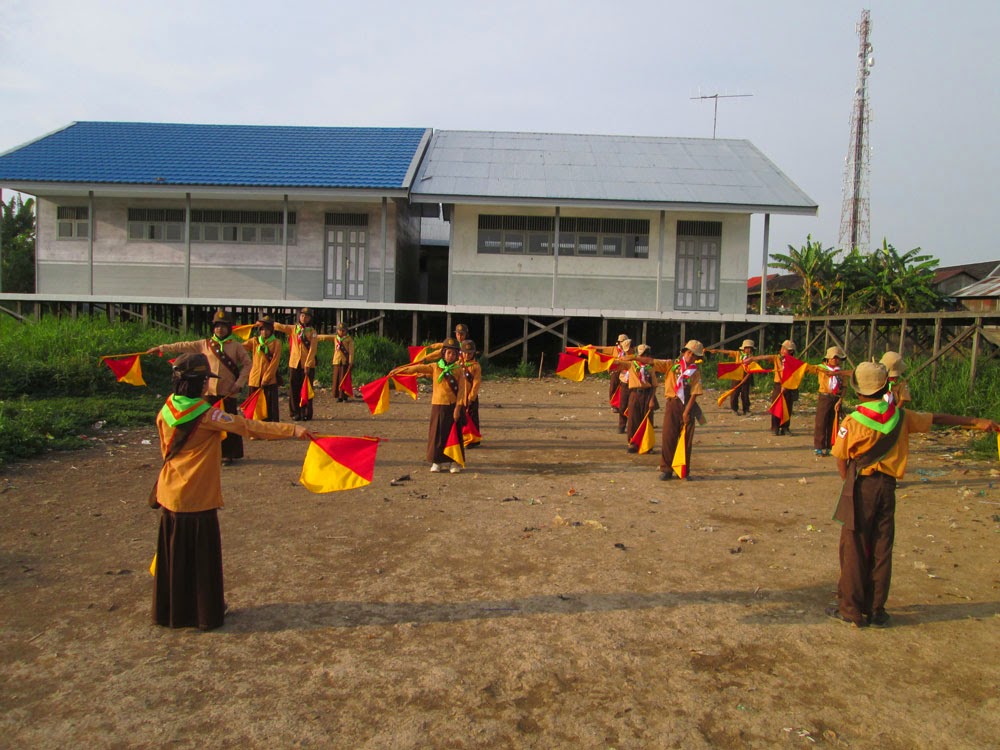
<point>227,155</point>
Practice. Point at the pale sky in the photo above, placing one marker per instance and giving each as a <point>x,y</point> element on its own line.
<point>563,66</point>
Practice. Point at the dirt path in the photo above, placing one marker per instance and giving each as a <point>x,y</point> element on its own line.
<point>556,594</point>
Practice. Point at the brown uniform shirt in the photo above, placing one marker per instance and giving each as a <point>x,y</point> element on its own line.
<point>191,481</point>
<point>474,378</point>
<point>226,383</point>
<point>855,439</point>
<point>263,371</point>
<point>442,394</point>
<point>826,376</point>
<point>666,366</point>
<point>299,355</point>
<point>632,376</point>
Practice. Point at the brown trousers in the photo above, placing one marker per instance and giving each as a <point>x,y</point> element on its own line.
<point>866,550</point>
<point>640,400</point>
<point>673,421</point>
<point>826,415</point>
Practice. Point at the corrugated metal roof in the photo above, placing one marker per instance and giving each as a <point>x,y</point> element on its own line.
<point>550,167</point>
<point>988,287</point>
<point>225,155</point>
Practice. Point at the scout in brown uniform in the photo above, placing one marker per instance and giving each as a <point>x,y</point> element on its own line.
<point>642,385</point>
<point>831,393</point>
<point>187,584</point>
<point>898,388</point>
<point>618,375</point>
<point>872,447</point>
<point>681,388</point>
<point>433,352</point>
<point>230,364</point>
<point>448,399</point>
<point>343,359</point>
<point>301,362</point>
<point>265,351</point>
<point>791,394</point>
<point>744,356</point>
<point>474,378</point>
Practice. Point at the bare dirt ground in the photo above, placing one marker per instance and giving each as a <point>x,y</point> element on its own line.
<point>554,595</point>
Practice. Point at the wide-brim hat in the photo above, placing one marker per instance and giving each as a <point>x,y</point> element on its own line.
<point>893,362</point>
<point>468,346</point>
<point>462,328</point>
<point>748,344</point>
<point>450,343</point>
<point>622,337</point>
<point>341,327</point>
<point>695,347</point>
<point>835,351</point>
<point>265,321</point>
<point>788,344</point>
<point>193,366</point>
<point>306,311</point>
<point>222,317</point>
<point>869,378</point>
<point>625,343</point>
<point>644,350</point>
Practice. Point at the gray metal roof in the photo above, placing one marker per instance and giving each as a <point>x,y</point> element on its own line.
<point>725,175</point>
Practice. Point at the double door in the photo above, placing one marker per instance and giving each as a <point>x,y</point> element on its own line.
<point>346,261</point>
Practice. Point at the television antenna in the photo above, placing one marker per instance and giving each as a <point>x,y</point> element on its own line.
<point>716,97</point>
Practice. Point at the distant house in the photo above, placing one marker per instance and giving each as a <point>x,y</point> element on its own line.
<point>527,223</point>
<point>592,223</point>
<point>981,296</point>
<point>949,279</point>
<point>777,286</point>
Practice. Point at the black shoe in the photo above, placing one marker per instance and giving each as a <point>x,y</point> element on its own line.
<point>879,619</point>
<point>666,476</point>
<point>834,614</point>
<point>632,448</point>
<point>621,430</point>
<point>296,418</point>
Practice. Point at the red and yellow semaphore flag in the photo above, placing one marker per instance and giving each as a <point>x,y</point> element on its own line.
<point>455,447</point>
<point>471,433</point>
<point>680,461</point>
<point>616,400</point>
<point>307,393</point>
<point>571,366</point>
<point>376,395</point>
<point>243,332</point>
<point>406,384</point>
<point>597,362</point>
<point>792,372</point>
<point>779,408</point>
<point>417,353</point>
<point>346,386</point>
<point>255,407</point>
<point>126,368</point>
<point>335,463</point>
<point>645,437</point>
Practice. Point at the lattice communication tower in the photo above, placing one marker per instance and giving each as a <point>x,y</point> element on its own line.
<point>855,216</point>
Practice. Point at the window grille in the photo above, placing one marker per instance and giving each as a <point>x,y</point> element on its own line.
<point>72,222</point>
<point>586,236</point>
<point>346,220</point>
<point>699,228</point>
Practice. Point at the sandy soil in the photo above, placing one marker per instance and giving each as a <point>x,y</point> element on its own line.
<point>556,594</point>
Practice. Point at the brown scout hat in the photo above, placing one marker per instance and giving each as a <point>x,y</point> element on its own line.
<point>835,351</point>
<point>869,378</point>
<point>450,343</point>
<point>223,317</point>
<point>748,344</point>
<point>193,366</point>
<point>462,328</point>
<point>695,346</point>
<point>894,363</point>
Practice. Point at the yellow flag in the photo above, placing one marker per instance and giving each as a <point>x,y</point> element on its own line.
<point>680,463</point>
<point>152,566</point>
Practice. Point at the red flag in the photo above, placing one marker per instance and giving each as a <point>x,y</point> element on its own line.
<point>792,371</point>
<point>454,448</point>
<point>307,393</point>
<point>470,432</point>
<point>570,366</point>
<point>407,384</point>
<point>335,463</point>
<point>616,400</point>
<point>346,386</point>
<point>243,332</point>
<point>417,353</point>
<point>645,437</point>
<point>126,368</point>
<point>255,407</point>
<point>680,463</point>
<point>779,409</point>
<point>376,395</point>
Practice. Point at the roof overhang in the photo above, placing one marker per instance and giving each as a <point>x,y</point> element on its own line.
<point>205,192</point>
<point>729,208</point>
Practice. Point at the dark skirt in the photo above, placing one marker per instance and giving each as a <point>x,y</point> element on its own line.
<point>339,371</point>
<point>187,585</point>
<point>472,415</point>
<point>232,445</point>
<point>300,408</point>
<point>271,399</point>
<point>442,419</point>
<point>641,401</point>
